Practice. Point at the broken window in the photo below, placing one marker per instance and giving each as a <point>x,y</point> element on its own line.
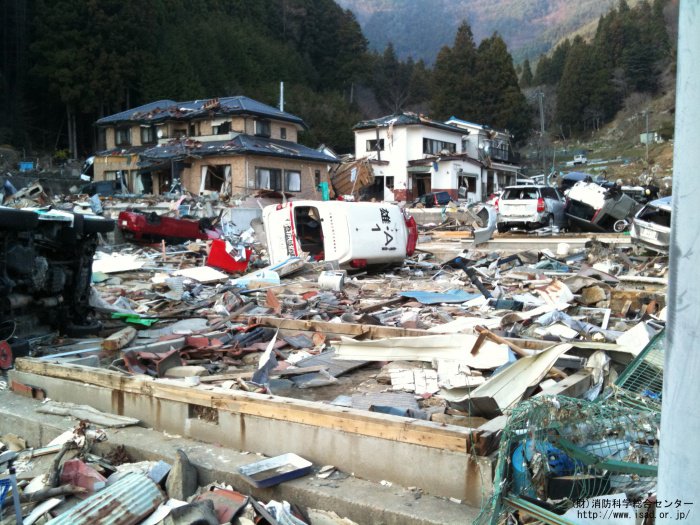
<point>223,128</point>
<point>468,183</point>
<point>435,147</point>
<point>268,179</point>
<point>148,135</point>
<point>122,136</point>
<point>293,180</point>
<point>213,178</point>
<point>372,145</point>
<point>656,215</point>
<point>146,183</point>
<point>262,128</point>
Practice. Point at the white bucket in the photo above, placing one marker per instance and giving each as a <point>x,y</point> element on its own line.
<point>563,249</point>
<point>331,280</point>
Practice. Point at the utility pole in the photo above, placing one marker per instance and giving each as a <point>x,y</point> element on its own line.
<point>540,96</point>
<point>679,461</point>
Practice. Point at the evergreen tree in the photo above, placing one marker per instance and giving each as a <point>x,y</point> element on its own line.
<point>455,91</point>
<point>501,103</point>
<point>526,76</point>
<point>391,81</point>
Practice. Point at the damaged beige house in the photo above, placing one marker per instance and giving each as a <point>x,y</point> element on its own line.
<point>232,145</point>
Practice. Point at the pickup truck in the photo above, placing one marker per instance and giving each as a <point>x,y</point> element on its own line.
<point>579,159</point>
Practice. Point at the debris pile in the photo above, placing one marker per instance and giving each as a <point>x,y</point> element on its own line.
<point>72,480</point>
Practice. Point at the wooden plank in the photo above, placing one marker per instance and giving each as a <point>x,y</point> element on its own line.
<point>573,386</point>
<point>347,329</point>
<point>359,422</point>
<point>249,374</point>
<point>119,340</point>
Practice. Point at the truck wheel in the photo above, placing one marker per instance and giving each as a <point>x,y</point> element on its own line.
<point>502,227</point>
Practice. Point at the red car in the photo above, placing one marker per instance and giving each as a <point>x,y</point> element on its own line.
<point>151,227</point>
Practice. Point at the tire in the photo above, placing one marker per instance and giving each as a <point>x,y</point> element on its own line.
<point>502,227</point>
<point>17,220</point>
<point>78,330</point>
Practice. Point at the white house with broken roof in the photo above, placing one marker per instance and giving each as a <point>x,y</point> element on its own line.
<point>232,145</point>
<point>412,155</point>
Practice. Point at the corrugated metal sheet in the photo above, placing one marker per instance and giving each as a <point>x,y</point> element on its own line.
<point>127,502</point>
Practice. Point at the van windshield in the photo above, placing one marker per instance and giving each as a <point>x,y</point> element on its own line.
<point>307,222</point>
<point>514,194</point>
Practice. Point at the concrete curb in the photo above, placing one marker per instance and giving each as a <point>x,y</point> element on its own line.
<point>359,500</point>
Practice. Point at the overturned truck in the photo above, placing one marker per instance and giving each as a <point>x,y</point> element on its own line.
<point>45,274</point>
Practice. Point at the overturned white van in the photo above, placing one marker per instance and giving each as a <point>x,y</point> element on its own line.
<point>356,234</point>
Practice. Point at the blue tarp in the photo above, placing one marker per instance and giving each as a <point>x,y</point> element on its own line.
<point>450,296</point>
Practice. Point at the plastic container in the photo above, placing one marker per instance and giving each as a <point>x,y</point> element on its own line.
<point>220,258</point>
<point>273,471</point>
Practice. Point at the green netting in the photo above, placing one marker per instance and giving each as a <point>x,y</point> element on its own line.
<point>557,451</point>
<point>641,383</point>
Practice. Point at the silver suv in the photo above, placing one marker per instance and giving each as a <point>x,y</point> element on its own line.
<point>531,206</point>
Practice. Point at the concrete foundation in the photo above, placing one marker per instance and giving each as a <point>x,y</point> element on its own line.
<point>360,500</point>
<point>399,459</point>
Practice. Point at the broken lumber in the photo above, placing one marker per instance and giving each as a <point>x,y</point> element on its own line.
<point>119,340</point>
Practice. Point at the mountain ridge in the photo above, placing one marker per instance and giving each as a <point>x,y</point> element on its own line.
<point>419,28</point>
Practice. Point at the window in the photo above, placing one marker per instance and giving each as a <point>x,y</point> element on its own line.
<point>101,139</point>
<point>221,129</point>
<point>262,128</point>
<point>372,145</point>
<point>468,183</point>
<point>148,135</point>
<point>550,193</point>
<point>283,133</point>
<point>180,133</point>
<point>292,180</point>
<point>389,182</point>
<point>268,179</point>
<point>214,177</point>
<point>122,136</point>
<point>434,147</point>
<point>317,178</point>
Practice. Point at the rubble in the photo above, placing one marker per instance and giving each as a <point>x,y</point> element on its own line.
<point>464,341</point>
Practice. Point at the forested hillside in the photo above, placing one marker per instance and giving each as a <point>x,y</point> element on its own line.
<point>591,80</point>
<point>419,28</point>
<point>66,61</point>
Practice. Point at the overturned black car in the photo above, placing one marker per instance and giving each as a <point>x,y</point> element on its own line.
<point>45,275</point>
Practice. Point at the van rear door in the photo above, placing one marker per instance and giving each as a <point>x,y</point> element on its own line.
<point>518,203</point>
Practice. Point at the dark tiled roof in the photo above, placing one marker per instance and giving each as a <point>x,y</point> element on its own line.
<point>163,110</point>
<point>405,119</point>
<point>239,145</point>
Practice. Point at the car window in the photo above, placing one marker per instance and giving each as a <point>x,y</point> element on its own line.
<point>549,193</point>
<point>656,215</point>
<point>520,194</point>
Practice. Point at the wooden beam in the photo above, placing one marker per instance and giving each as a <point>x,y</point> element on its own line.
<point>343,419</point>
<point>346,329</point>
